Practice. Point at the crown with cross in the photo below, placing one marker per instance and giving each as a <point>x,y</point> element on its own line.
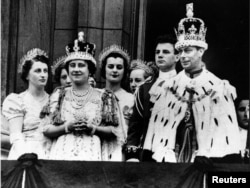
<point>80,50</point>
<point>191,31</point>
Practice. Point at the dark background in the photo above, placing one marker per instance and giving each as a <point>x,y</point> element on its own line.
<point>50,25</point>
<point>227,23</point>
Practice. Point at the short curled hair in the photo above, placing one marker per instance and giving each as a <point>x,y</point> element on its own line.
<point>167,39</point>
<point>91,66</point>
<point>28,65</point>
<point>115,55</point>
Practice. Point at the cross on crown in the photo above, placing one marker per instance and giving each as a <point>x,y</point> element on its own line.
<point>80,45</point>
<point>191,31</point>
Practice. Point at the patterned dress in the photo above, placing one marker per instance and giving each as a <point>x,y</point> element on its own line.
<point>72,146</point>
<point>26,106</point>
<point>216,126</point>
<point>112,150</point>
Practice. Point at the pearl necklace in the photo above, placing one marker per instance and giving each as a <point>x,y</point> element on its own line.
<point>80,93</point>
<point>78,102</point>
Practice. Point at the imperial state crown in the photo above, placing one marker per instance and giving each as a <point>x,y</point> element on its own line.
<point>191,31</point>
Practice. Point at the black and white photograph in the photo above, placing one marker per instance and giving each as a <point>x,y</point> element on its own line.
<point>124,93</point>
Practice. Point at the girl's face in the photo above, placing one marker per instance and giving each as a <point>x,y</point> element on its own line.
<point>92,81</point>
<point>64,78</point>
<point>114,69</point>
<point>136,79</point>
<point>38,74</point>
<point>78,71</point>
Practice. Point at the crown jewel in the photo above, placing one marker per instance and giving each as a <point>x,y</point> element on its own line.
<point>191,31</point>
<point>29,56</point>
<point>80,50</point>
<point>80,45</point>
<point>113,49</point>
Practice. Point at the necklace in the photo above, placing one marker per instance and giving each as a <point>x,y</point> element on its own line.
<point>193,100</point>
<point>78,102</point>
<point>80,93</point>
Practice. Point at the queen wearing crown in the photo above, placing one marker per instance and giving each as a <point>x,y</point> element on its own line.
<point>81,116</point>
<point>23,110</point>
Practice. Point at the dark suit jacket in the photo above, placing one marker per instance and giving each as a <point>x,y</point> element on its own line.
<point>138,123</point>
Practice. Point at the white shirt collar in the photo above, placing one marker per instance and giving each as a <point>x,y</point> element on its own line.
<point>167,75</point>
<point>156,89</point>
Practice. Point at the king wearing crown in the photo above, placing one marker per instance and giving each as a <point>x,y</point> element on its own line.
<point>195,116</point>
<point>191,31</point>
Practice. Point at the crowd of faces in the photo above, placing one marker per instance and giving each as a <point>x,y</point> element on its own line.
<point>165,58</point>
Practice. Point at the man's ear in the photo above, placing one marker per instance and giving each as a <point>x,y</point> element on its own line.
<point>177,57</point>
<point>201,51</point>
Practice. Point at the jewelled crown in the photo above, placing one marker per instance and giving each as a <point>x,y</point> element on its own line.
<point>80,50</point>
<point>191,31</point>
<point>57,63</point>
<point>29,56</point>
<point>113,49</point>
<point>140,64</point>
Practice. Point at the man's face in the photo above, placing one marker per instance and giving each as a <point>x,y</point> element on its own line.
<point>190,58</point>
<point>243,113</point>
<point>164,57</point>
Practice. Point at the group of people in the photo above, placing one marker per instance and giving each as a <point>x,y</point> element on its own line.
<point>164,117</point>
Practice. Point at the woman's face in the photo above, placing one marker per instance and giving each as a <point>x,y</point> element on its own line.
<point>243,113</point>
<point>64,78</point>
<point>136,79</point>
<point>114,69</point>
<point>38,74</point>
<point>92,81</point>
<point>78,71</point>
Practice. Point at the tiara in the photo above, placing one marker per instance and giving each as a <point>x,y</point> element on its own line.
<point>57,63</point>
<point>191,31</point>
<point>29,56</point>
<point>80,50</point>
<point>113,49</point>
<point>140,64</point>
